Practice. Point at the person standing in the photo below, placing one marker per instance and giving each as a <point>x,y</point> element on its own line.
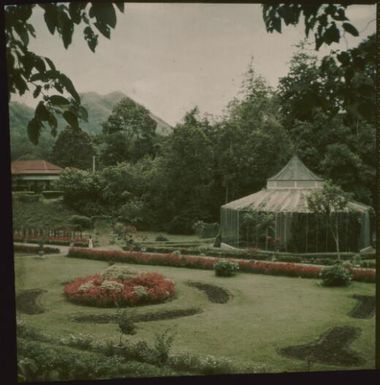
<point>90,243</point>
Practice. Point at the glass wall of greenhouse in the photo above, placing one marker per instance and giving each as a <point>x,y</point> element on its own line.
<point>296,232</point>
<point>291,226</point>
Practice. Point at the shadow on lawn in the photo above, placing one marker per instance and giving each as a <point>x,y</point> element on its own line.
<point>156,316</point>
<point>365,308</point>
<point>214,293</point>
<point>28,301</point>
<point>331,348</point>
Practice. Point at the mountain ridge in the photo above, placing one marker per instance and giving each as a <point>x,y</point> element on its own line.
<point>98,106</point>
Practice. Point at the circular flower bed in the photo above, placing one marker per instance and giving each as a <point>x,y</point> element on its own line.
<point>100,290</point>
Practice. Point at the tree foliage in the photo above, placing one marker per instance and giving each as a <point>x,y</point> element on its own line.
<point>73,148</point>
<point>330,202</point>
<point>326,21</point>
<point>128,134</point>
<point>82,191</point>
<point>323,121</point>
<point>251,143</point>
<point>187,162</point>
<point>28,71</point>
<point>351,72</point>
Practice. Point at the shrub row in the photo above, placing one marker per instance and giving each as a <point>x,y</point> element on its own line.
<point>35,249</point>
<point>260,255</point>
<point>52,194</point>
<point>53,241</point>
<point>128,352</point>
<point>38,362</point>
<point>200,262</point>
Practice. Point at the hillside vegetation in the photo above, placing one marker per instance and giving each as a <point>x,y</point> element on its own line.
<point>48,214</point>
<point>99,108</point>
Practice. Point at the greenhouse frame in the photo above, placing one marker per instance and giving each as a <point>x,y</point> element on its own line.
<point>295,228</point>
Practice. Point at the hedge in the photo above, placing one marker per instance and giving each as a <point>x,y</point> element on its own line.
<point>52,194</point>
<point>35,249</point>
<point>202,262</point>
<point>83,243</point>
<point>318,259</point>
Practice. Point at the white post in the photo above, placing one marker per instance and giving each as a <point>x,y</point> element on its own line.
<point>93,163</point>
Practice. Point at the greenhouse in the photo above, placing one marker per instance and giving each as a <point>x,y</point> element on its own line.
<point>291,226</point>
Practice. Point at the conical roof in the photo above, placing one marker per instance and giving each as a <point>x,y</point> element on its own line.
<point>295,170</point>
<point>287,191</point>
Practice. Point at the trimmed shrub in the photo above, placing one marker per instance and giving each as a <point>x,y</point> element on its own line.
<point>126,323</point>
<point>35,249</point>
<point>52,194</point>
<point>27,196</point>
<point>161,238</point>
<point>226,268</point>
<point>81,222</point>
<point>337,275</point>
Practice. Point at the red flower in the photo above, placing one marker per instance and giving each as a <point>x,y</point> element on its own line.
<point>94,290</point>
<point>200,262</point>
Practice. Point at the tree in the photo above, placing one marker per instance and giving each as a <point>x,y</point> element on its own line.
<point>73,148</point>
<point>128,133</point>
<point>323,121</point>
<point>187,162</point>
<point>81,191</point>
<point>330,201</point>
<point>326,21</point>
<point>54,90</point>
<point>354,70</point>
<point>250,143</point>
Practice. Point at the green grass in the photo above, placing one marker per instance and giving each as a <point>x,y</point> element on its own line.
<point>265,313</point>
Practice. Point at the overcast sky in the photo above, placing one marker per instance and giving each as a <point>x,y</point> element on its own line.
<point>171,57</point>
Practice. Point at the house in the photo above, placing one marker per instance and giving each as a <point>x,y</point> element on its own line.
<point>295,227</point>
<point>33,175</point>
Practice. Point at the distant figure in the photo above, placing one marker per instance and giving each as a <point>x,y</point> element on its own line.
<point>90,244</point>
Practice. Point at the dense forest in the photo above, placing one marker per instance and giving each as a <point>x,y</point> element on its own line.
<point>159,177</point>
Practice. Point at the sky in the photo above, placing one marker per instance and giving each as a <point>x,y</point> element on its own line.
<point>172,57</point>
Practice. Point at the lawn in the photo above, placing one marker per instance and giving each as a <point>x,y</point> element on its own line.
<point>264,314</point>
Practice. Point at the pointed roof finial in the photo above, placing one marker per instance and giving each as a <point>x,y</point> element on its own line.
<point>295,170</point>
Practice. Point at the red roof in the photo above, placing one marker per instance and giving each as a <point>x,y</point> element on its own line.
<point>34,167</point>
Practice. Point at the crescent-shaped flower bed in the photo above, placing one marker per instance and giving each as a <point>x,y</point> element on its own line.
<point>200,262</point>
<point>98,290</point>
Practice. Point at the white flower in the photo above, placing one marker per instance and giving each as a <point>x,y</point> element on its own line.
<point>86,286</point>
<point>140,291</point>
<point>112,285</point>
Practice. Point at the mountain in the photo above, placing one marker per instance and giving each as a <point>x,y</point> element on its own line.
<point>99,107</point>
<point>21,146</point>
